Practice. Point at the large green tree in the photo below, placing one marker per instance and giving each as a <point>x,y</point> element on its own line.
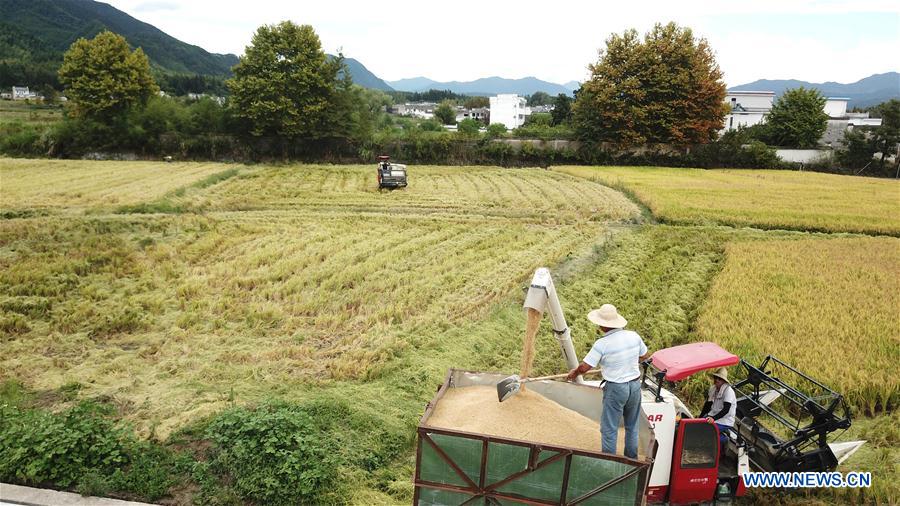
<point>666,88</point>
<point>797,119</point>
<point>104,78</point>
<point>285,86</point>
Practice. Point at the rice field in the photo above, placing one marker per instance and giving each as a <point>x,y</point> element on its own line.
<point>522,194</point>
<point>828,306</point>
<point>176,291</point>
<point>53,185</point>
<point>759,198</point>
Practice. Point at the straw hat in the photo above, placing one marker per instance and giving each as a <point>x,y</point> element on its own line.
<point>720,373</point>
<point>607,316</point>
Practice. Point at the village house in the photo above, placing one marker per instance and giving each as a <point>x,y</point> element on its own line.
<point>509,110</point>
<point>750,108</point>
<point>22,93</point>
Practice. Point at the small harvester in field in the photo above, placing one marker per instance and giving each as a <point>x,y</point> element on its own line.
<point>390,175</point>
<point>783,423</point>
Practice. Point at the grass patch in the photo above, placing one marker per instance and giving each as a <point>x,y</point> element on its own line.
<point>770,199</point>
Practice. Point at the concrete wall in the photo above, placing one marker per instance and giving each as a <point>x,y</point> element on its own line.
<point>804,155</point>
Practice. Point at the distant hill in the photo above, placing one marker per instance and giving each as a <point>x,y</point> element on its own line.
<point>872,90</point>
<point>39,26</point>
<point>363,77</point>
<point>482,87</point>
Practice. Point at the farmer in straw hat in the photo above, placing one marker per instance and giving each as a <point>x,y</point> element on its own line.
<point>618,352</point>
<point>721,404</point>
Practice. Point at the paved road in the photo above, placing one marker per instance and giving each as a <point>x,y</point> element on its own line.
<point>15,495</point>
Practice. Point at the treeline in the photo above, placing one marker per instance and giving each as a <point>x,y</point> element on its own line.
<point>289,100</point>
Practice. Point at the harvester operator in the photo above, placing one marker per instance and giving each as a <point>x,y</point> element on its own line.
<point>721,405</point>
<point>618,352</point>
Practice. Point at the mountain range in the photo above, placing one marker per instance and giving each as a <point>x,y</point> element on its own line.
<point>38,32</point>
<point>871,90</point>
<point>486,86</point>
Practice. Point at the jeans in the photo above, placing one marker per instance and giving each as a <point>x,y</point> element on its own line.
<point>620,399</point>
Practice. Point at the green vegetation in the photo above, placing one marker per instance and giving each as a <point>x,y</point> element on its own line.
<point>758,198</point>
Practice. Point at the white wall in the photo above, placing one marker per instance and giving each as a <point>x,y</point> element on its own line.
<point>752,100</point>
<point>803,155</point>
<point>736,120</point>
<point>836,107</point>
<point>509,110</point>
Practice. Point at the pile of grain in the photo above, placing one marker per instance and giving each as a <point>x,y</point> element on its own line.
<point>527,415</point>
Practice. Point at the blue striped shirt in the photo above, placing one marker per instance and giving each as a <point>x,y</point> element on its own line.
<point>618,353</point>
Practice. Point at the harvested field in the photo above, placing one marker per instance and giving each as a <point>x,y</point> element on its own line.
<point>67,184</point>
<point>522,194</point>
<point>759,198</point>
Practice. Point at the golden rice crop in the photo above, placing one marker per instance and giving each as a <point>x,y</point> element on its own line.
<point>827,306</point>
<point>759,198</point>
<point>33,184</point>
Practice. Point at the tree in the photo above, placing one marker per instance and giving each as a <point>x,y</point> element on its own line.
<point>445,113</point>
<point>665,89</point>
<point>476,102</point>
<point>104,78</point>
<point>887,136</point>
<point>285,86</point>
<point>562,109</point>
<point>858,149</point>
<point>797,119</point>
<point>539,98</point>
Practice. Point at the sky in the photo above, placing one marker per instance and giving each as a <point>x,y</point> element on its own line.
<point>462,40</point>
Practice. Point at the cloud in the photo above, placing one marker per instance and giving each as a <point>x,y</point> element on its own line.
<point>474,38</point>
<point>156,6</point>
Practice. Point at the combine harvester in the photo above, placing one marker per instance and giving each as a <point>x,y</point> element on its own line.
<point>390,175</point>
<point>681,460</point>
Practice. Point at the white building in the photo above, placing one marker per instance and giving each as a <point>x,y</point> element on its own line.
<point>509,110</point>
<point>22,93</point>
<point>748,108</point>
<point>836,107</point>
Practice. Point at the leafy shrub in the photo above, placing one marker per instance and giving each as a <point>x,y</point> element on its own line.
<point>496,130</point>
<point>40,447</point>
<point>736,148</point>
<point>282,453</point>
<point>81,447</point>
<point>469,127</point>
<point>275,454</point>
